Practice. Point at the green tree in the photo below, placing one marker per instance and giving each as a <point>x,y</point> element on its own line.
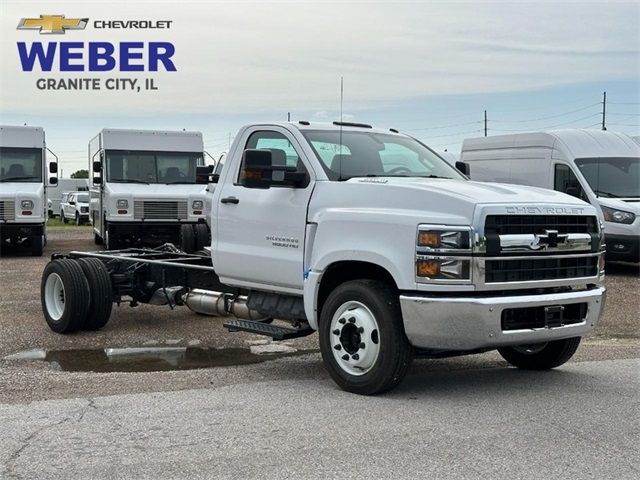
<point>82,173</point>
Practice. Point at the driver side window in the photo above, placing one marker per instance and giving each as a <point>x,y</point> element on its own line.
<point>283,152</point>
<point>565,181</point>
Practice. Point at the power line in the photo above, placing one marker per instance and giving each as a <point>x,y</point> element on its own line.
<point>548,117</point>
<point>624,103</point>
<point>625,124</point>
<point>453,134</point>
<point>443,126</point>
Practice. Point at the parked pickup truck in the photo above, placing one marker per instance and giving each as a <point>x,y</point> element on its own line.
<point>371,239</point>
<point>74,206</point>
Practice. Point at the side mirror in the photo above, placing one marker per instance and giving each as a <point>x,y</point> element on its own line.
<point>257,169</point>
<point>53,180</point>
<point>97,166</point>
<point>97,180</point>
<point>53,167</point>
<point>463,167</point>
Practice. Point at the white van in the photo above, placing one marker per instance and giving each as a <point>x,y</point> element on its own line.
<point>602,168</point>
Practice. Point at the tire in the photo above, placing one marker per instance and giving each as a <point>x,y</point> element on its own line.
<point>97,239</point>
<point>62,217</point>
<point>543,356</point>
<point>112,241</point>
<point>37,245</point>
<point>203,238</point>
<point>187,238</point>
<point>78,222</point>
<point>64,294</point>
<point>377,350</point>
<point>101,293</point>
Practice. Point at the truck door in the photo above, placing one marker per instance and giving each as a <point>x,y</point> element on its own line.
<point>259,234</point>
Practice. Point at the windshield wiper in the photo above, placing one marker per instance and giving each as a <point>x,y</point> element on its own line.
<point>13,179</point>
<point>608,194</point>
<point>131,181</point>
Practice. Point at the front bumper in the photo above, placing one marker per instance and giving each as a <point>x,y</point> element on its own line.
<point>20,230</point>
<point>469,323</point>
<point>623,247</point>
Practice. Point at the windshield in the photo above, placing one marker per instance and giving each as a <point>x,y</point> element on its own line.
<point>84,198</point>
<point>20,164</point>
<point>612,177</point>
<point>366,154</point>
<point>152,167</point>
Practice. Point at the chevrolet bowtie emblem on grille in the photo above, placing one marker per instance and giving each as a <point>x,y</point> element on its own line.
<point>52,24</point>
<point>551,238</point>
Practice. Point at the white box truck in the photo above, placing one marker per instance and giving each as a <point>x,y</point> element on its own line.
<point>600,167</point>
<point>370,238</point>
<point>144,189</point>
<point>23,187</point>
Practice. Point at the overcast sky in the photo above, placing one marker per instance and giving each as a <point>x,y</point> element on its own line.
<point>417,66</point>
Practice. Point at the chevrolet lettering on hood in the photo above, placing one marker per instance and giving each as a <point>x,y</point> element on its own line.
<point>545,210</point>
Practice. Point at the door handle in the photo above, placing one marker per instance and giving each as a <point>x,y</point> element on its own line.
<point>233,200</point>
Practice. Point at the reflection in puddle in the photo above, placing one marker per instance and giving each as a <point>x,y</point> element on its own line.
<point>148,359</point>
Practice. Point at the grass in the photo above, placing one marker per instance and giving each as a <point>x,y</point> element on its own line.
<point>56,222</point>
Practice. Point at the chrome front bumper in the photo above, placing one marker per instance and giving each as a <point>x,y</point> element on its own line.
<point>467,323</point>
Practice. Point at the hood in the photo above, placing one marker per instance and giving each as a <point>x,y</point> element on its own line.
<point>629,205</point>
<point>155,191</point>
<point>435,200</point>
<point>11,190</point>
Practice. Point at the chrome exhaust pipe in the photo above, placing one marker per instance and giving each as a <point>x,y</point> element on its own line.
<point>219,304</point>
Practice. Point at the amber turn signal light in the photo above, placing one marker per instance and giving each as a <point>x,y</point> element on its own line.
<point>429,239</point>
<point>428,268</point>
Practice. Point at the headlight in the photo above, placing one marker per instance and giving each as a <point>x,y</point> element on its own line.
<point>618,216</point>
<point>26,204</point>
<point>443,254</point>
<point>197,205</point>
<point>442,268</point>
<point>122,203</point>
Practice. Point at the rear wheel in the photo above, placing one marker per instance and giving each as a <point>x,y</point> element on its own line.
<point>187,238</point>
<point>101,293</point>
<point>37,245</point>
<point>541,356</point>
<point>362,338</point>
<point>64,294</point>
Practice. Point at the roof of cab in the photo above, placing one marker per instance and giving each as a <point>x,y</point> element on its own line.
<point>577,143</point>
<point>304,125</point>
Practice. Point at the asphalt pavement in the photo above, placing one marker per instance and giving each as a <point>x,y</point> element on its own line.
<point>580,421</point>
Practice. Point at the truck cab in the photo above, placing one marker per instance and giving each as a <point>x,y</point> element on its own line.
<point>23,186</point>
<point>599,167</point>
<point>144,189</point>
<point>371,239</point>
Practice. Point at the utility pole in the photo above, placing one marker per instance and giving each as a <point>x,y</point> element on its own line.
<point>604,110</point>
<point>288,116</point>
<point>485,123</point>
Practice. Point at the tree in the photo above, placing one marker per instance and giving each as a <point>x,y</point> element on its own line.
<point>82,173</point>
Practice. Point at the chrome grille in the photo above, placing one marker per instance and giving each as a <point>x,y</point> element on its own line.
<point>526,224</point>
<point>7,210</point>
<point>159,210</point>
<point>540,268</point>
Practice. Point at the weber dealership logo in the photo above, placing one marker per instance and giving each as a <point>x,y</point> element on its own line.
<point>94,56</point>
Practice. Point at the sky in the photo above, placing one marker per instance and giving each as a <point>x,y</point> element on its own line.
<point>430,69</point>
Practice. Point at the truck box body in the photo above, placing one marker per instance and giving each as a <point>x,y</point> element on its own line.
<point>153,173</point>
<point>23,186</point>
<point>598,166</point>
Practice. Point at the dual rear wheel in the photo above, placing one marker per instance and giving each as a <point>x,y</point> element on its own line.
<point>76,295</point>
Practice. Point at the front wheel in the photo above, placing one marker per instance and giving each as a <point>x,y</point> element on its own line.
<point>62,217</point>
<point>362,338</point>
<point>37,245</point>
<point>541,356</point>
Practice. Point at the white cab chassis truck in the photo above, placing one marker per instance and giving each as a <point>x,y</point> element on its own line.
<point>144,189</point>
<point>371,239</point>
<point>23,187</point>
<point>602,168</point>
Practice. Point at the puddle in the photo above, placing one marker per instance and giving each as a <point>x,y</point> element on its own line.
<point>149,359</point>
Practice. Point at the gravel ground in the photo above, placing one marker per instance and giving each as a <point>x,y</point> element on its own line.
<point>23,327</point>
